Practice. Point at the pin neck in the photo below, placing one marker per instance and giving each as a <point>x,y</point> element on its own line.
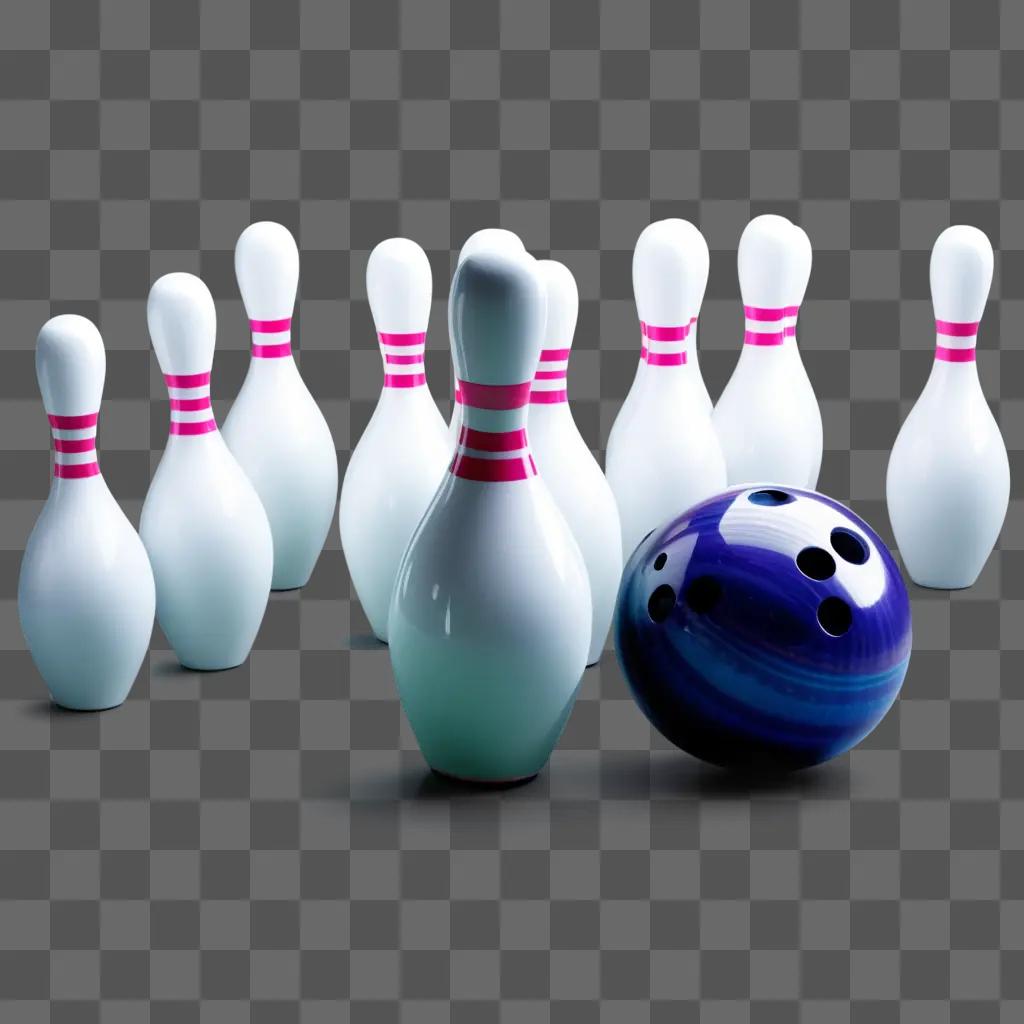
<point>549,382</point>
<point>769,326</point>
<point>664,345</point>
<point>74,446</point>
<point>493,446</point>
<point>955,342</point>
<point>403,359</point>
<point>271,339</point>
<point>191,410</point>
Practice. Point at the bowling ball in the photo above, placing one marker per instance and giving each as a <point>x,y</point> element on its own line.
<point>767,627</point>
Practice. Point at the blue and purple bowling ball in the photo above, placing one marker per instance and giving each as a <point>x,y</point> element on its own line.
<point>766,628</point>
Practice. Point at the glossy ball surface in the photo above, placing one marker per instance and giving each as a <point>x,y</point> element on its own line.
<point>767,627</point>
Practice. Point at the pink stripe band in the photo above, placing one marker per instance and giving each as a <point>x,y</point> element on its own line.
<point>548,397</point>
<point>393,360</point>
<point>404,380</point>
<point>458,396</point>
<point>77,471</point>
<point>270,326</point>
<point>190,404</point>
<point>74,422</point>
<point>765,338</point>
<point>85,444</point>
<point>499,397</point>
<point>952,329</point>
<point>955,355</point>
<point>790,331</point>
<point>469,467</point>
<point>419,338</point>
<point>272,351</point>
<point>493,440</point>
<point>553,355</point>
<point>643,353</point>
<point>653,333</point>
<point>550,375</point>
<point>666,358</point>
<point>191,429</point>
<point>768,315</point>
<point>187,380</point>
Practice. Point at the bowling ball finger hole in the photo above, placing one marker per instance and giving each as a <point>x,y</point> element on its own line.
<point>770,497</point>
<point>659,562</point>
<point>835,616</point>
<point>848,546</point>
<point>816,563</point>
<point>703,594</point>
<point>661,603</point>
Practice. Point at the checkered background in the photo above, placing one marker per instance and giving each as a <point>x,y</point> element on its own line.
<point>265,844</point>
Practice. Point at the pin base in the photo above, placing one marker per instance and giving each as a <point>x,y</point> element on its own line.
<point>212,668</point>
<point>84,709</point>
<point>462,780</point>
<point>944,586</point>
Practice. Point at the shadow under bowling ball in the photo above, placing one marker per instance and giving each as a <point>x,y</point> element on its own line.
<point>766,629</point>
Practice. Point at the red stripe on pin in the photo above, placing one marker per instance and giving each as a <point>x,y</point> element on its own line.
<point>385,338</point>
<point>74,447</point>
<point>499,397</point>
<point>192,429</point>
<point>666,358</point>
<point>765,315</point>
<point>468,467</point>
<point>187,380</point>
<point>392,360</point>
<point>952,329</point>
<point>553,355</point>
<point>493,440</point>
<point>76,471</point>
<point>190,404</point>
<point>272,351</point>
<point>676,333</point>
<point>404,380</point>
<point>550,375</point>
<point>764,338</point>
<point>548,397</point>
<point>955,355</point>
<point>74,422</point>
<point>270,326</point>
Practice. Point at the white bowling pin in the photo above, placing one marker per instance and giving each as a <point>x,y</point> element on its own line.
<point>948,483</point>
<point>399,461</point>
<point>275,428</point>
<point>484,240</point>
<point>665,456</point>
<point>203,525</point>
<point>491,615</point>
<point>85,596</point>
<point>696,282</point>
<point>564,461</point>
<point>767,417</point>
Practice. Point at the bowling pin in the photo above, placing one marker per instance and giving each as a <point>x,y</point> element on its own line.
<point>275,429</point>
<point>767,418</point>
<point>85,595</point>
<point>697,283</point>
<point>491,615</point>
<point>399,461</point>
<point>203,525</point>
<point>564,461</point>
<point>484,240</point>
<point>665,456</point>
<point>948,482</point>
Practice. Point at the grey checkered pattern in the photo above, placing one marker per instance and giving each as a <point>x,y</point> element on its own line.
<point>265,844</point>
